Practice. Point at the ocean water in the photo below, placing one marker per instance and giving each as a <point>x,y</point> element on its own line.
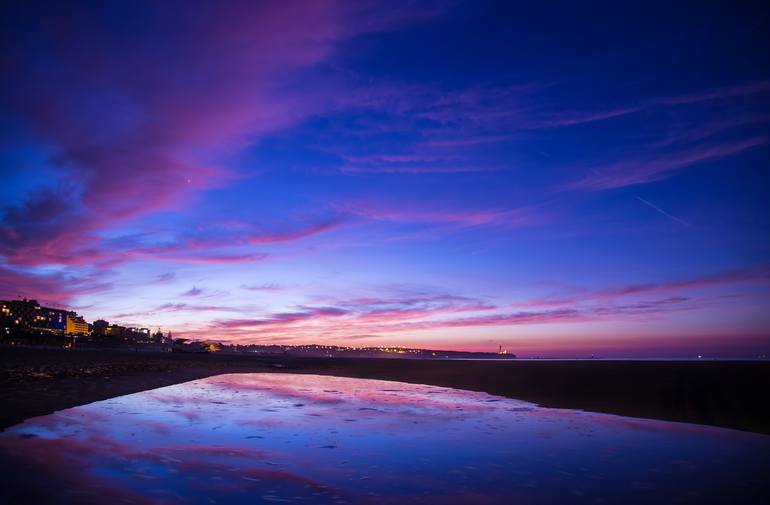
<point>286,438</point>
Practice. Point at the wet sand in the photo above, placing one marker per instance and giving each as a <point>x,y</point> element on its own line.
<point>731,394</point>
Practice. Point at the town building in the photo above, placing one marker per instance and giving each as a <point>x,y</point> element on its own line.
<point>100,327</point>
<point>55,319</point>
<point>27,315</point>
<point>76,325</point>
<point>22,313</point>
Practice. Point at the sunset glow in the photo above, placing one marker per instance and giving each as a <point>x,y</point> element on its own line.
<point>434,175</point>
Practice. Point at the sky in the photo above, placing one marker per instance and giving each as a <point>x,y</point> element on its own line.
<point>558,179</point>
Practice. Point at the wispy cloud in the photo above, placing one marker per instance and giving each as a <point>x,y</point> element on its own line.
<point>416,169</point>
<point>378,210</point>
<point>754,274</point>
<point>267,237</point>
<point>423,129</point>
<point>166,277</point>
<point>758,273</point>
<point>173,307</point>
<point>263,287</point>
<point>282,319</point>
<point>738,90</point>
<point>50,288</point>
<point>454,129</point>
<point>194,291</point>
<point>696,129</point>
<point>655,167</point>
<point>572,118</point>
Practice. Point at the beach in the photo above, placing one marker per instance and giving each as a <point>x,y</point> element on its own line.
<point>729,394</point>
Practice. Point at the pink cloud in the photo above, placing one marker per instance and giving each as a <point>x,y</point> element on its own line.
<point>53,289</point>
<point>139,127</point>
<point>404,312</point>
<point>201,247</point>
<point>354,313</point>
<point>374,315</point>
<point>341,323</point>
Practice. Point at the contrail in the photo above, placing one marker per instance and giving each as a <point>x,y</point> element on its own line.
<point>680,221</point>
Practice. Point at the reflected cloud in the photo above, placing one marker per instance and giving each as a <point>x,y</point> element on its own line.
<point>315,439</point>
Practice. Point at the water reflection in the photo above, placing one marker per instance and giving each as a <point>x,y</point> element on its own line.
<point>263,438</point>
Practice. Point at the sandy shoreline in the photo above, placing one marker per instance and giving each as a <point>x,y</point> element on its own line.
<point>731,394</point>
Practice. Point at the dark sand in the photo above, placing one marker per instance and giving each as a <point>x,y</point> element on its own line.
<point>732,394</point>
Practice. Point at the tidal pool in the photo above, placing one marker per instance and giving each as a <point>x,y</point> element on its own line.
<point>285,438</point>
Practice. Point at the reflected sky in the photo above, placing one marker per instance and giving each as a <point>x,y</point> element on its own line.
<point>285,438</point>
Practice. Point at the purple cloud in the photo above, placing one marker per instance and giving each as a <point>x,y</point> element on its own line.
<point>142,126</point>
<point>194,291</point>
<point>758,274</point>
<point>282,318</point>
<point>50,288</point>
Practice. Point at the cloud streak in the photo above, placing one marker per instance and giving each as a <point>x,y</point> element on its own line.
<point>380,211</point>
<point>652,168</point>
<point>573,118</point>
<point>757,274</point>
